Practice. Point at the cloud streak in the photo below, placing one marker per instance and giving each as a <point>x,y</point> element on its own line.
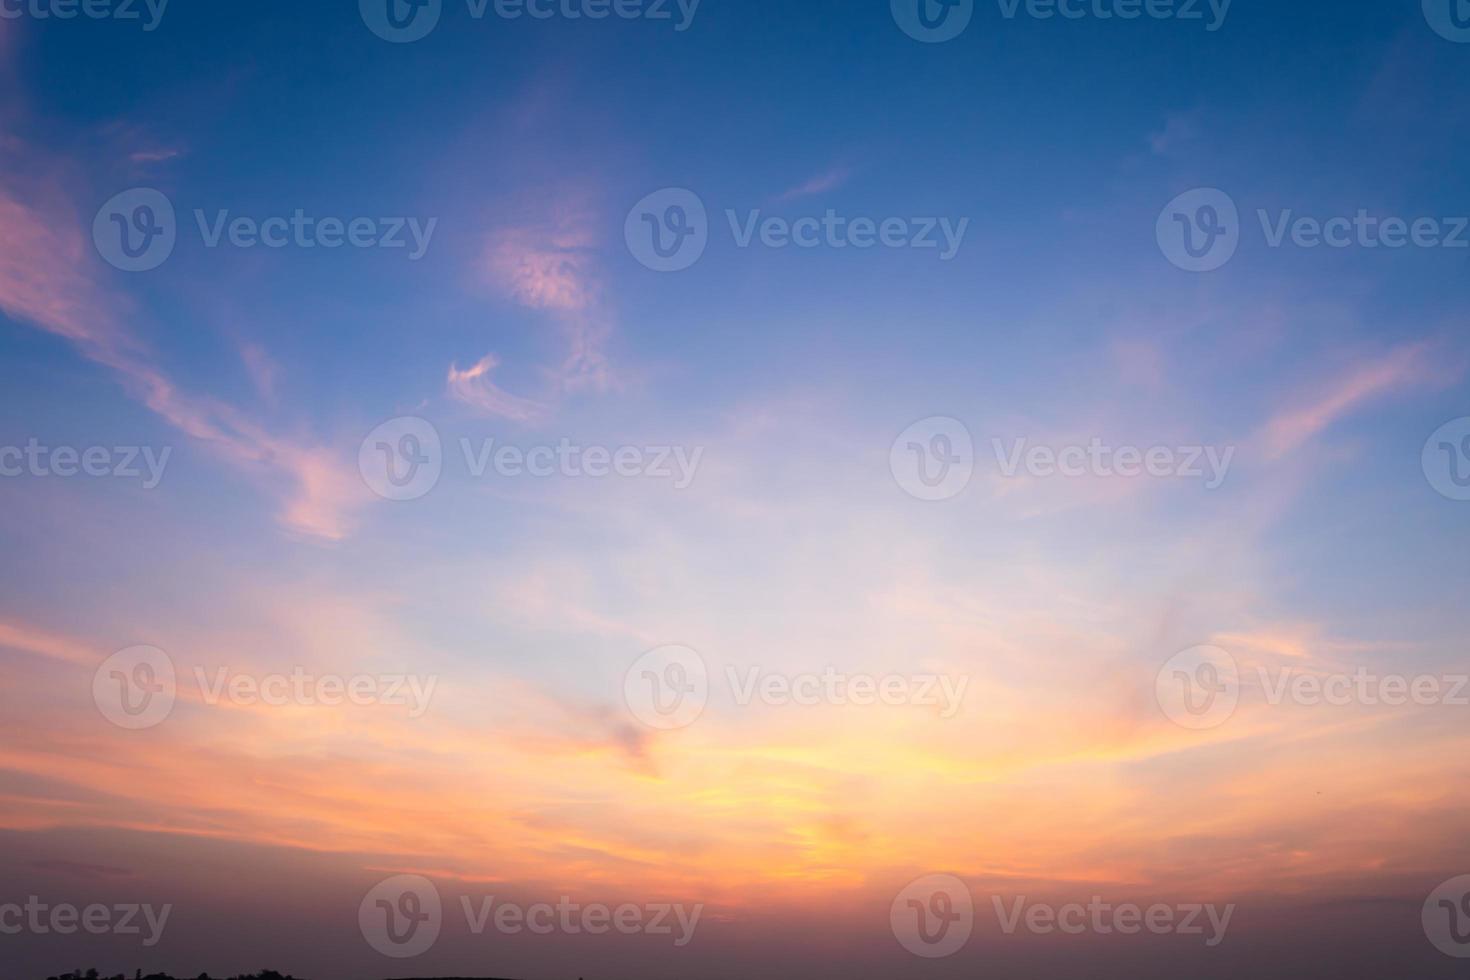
<point>1334,400</point>
<point>44,282</point>
<point>473,387</point>
<point>820,184</point>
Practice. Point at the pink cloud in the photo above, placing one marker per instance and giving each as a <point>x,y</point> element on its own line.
<point>19,636</point>
<point>473,387</point>
<point>262,368</point>
<point>549,268</point>
<point>43,283</point>
<point>1400,368</point>
<point>820,184</point>
<point>545,270</point>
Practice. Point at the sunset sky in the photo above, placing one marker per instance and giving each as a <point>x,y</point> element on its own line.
<point>784,381</point>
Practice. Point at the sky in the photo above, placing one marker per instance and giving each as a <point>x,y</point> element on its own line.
<point>841,473</point>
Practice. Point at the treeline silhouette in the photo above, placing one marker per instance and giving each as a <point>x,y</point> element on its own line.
<point>139,975</point>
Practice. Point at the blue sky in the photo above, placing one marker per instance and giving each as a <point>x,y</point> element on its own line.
<point>800,543</point>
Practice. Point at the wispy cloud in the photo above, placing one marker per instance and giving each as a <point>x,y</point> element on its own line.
<point>473,387</point>
<point>1178,131</point>
<point>544,268</point>
<point>44,281</point>
<point>829,180</point>
<point>263,370</point>
<point>29,639</point>
<point>1340,396</point>
<point>153,156</point>
<point>549,267</point>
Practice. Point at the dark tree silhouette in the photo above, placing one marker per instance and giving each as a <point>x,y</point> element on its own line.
<point>138,975</point>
